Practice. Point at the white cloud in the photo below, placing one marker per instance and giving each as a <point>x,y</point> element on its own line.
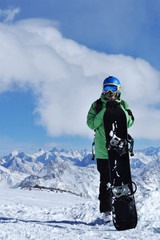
<point>9,14</point>
<point>67,77</point>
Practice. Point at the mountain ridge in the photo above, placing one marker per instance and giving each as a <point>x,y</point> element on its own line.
<point>72,170</point>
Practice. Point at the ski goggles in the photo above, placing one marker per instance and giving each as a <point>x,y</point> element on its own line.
<point>110,87</point>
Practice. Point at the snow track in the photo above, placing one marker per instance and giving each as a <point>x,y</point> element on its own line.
<point>40,215</point>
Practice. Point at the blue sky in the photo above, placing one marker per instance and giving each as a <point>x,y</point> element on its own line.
<point>118,31</point>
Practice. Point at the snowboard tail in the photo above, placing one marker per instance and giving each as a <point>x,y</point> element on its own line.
<point>123,202</point>
<point>124,213</point>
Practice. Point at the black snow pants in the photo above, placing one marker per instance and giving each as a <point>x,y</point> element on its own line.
<point>105,196</point>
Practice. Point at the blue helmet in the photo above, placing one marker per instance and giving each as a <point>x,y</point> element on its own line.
<point>111,87</point>
<point>112,80</point>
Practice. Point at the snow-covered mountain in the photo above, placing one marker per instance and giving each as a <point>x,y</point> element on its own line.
<point>61,175</point>
<point>49,168</point>
<point>20,162</point>
<point>73,171</point>
<point>9,178</point>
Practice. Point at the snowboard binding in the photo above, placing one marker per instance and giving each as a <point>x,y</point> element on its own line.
<point>125,190</point>
<point>118,144</point>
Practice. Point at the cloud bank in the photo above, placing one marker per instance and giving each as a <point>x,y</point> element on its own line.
<point>67,77</point>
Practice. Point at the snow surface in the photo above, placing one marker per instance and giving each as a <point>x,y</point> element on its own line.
<point>47,215</point>
<point>70,209</point>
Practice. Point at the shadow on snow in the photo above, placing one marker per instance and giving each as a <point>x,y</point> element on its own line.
<point>50,223</point>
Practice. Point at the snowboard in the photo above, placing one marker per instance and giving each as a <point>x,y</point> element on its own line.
<point>123,202</point>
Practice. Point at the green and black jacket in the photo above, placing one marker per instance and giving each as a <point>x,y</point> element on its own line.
<point>95,122</point>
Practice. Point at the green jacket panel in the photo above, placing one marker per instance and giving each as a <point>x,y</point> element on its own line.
<point>95,122</point>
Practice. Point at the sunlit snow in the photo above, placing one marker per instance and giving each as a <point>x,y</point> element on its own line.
<point>67,206</point>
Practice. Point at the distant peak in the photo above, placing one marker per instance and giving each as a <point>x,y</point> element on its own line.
<point>14,153</point>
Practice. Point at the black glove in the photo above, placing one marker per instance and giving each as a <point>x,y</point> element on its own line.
<point>112,105</point>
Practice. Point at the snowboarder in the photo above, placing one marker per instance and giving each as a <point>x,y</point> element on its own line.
<point>110,98</point>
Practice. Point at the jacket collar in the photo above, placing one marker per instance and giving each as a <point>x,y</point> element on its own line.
<point>104,100</point>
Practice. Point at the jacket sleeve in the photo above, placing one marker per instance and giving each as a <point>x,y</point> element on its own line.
<point>129,114</point>
<point>94,120</point>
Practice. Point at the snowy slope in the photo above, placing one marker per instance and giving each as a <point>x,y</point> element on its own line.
<point>47,215</point>
<point>8,178</point>
<point>65,176</point>
<point>72,213</point>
